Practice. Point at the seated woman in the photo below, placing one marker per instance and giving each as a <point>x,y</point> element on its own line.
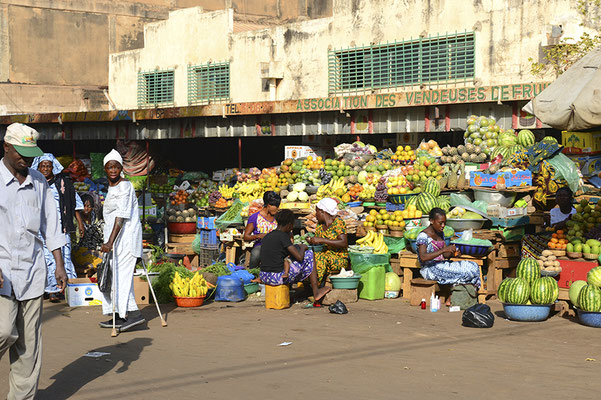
<point>276,247</point>
<point>331,232</point>
<point>260,224</point>
<point>559,215</point>
<point>433,256</point>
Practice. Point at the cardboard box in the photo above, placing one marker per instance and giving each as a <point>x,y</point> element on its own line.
<point>141,291</point>
<point>295,152</point>
<point>82,292</point>
<point>511,178</point>
<point>589,165</point>
<point>581,142</point>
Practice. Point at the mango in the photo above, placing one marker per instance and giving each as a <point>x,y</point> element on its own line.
<point>595,250</point>
<point>578,248</point>
<point>586,248</point>
<point>570,247</point>
<point>593,243</point>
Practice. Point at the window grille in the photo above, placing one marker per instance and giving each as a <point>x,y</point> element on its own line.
<point>209,83</point>
<point>155,88</point>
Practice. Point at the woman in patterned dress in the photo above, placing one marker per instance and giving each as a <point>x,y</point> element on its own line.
<point>433,256</point>
<point>260,224</point>
<point>331,232</point>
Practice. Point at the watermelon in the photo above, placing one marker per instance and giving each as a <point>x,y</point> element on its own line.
<point>432,186</point>
<point>516,148</point>
<point>444,203</point>
<point>528,269</point>
<point>594,277</point>
<point>507,139</point>
<point>502,290</point>
<point>589,298</point>
<point>525,138</point>
<point>575,291</point>
<point>549,139</point>
<point>544,290</point>
<point>411,200</point>
<point>426,202</point>
<point>517,292</point>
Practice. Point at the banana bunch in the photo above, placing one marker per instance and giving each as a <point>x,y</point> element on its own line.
<point>336,187</point>
<point>195,287</point>
<point>375,240</point>
<point>248,191</point>
<point>226,192</point>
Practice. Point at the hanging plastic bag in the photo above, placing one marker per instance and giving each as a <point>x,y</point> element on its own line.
<point>363,262</point>
<point>394,244</point>
<point>467,235</point>
<point>196,244</point>
<point>566,169</point>
<point>104,273</point>
<point>478,316</point>
<point>338,308</point>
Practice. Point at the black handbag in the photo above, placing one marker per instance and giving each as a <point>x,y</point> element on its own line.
<point>104,273</point>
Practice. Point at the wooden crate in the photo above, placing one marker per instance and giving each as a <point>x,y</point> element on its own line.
<point>181,238</point>
<point>506,250</point>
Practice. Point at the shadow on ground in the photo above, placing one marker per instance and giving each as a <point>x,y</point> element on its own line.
<point>86,369</point>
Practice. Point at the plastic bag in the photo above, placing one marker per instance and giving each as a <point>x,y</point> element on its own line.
<point>338,308</point>
<point>460,199</point>
<point>466,236</point>
<point>196,244</point>
<point>104,273</point>
<point>394,244</point>
<point>566,169</point>
<point>464,296</point>
<point>363,262</point>
<point>478,316</point>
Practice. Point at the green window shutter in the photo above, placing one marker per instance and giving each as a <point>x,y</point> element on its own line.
<point>432,60</point>
<point>209,83</point>
<point>155,88</point>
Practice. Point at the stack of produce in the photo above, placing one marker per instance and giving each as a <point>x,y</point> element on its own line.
<point>375,241</point>
<point>587,295</point>
<point>403,156</point>
<point>431,147</point>
<point>466,153</point>
<point>335,188</point>
<point>528,287</point>
<point>383,217</point>
<point>357,148</point>
<point>548,262</point>
<point>189,287</point>
<point>381,193</point>
<point>165,189</point>
<point>558,241</point>
<point>297,194</point>
<point>180,198</point>
<point>187,215</point>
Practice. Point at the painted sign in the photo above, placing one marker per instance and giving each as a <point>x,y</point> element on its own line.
<point>433,97</point>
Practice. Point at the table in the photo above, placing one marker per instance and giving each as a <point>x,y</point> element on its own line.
<point>408,262</point>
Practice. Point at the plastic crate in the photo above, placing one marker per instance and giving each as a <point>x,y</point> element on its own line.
<point>208,238</point>
<point>208,256</point>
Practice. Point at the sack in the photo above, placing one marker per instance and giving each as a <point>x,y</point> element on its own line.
<point>478,316</point>
<point>338,308</point>
<point>464,296</point>
<point>104,273</point>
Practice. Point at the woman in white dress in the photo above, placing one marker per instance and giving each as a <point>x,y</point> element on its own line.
<point>122,235</point>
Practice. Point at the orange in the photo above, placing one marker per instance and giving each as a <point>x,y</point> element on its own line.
<point>554,240</point>
<point>560,232</point>
<point>554,235</point>
<point>551,245</point>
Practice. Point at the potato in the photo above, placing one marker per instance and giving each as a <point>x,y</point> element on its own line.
<point>551,258</point>
<point>541,262</point>
<point>549,263</point>
<point>557,264</point>
<point>547,253</point>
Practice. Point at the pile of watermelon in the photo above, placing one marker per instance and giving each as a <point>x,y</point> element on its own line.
<point>529,287</point>
<point>587,295</point>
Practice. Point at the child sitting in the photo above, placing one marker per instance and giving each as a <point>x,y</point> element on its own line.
<point>276,247</point>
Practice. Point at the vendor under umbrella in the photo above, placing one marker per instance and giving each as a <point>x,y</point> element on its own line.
<point>69,206</point>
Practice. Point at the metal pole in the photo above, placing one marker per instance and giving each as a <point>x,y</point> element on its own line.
<point>239,153</point>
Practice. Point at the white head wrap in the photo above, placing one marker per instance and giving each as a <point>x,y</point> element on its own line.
<point>113,156</point>
<point>328,205</point>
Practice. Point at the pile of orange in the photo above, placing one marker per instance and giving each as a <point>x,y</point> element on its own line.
<point>558,241</point>
<point>181,197</point>
<point>222,203</point>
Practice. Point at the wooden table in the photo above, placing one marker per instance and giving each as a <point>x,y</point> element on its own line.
<point>408,262</point>
<point>231,248</point>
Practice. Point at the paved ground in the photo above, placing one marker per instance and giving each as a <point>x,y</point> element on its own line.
<point>380,350</point>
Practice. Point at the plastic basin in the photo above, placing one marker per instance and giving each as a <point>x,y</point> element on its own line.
<point>189,301</point>
<point>504,199</point>
<point>528,313</point>
<point>252,287</point>
<point>345,283</point>
<point>472,250</point>
<point>317,248</point>
<point>182,227</point>
<point>461,225</point>
<point>589,318</point>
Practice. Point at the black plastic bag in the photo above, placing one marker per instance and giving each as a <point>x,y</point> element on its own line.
<point>104,273</point>
<point>478,316</point>
<point>338,308</point>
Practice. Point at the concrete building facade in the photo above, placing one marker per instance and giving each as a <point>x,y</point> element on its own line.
<point>54,53</point>
<point>294,60</point>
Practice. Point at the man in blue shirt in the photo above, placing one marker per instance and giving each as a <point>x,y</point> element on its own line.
<point>27,208</point>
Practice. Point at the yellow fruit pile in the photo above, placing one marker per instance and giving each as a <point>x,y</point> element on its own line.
<point>195,287</point>
<point>226,191</point>
<point>248,191</point>
<point>335,187</point>
<point>375,240</point>
<point>313,163</point>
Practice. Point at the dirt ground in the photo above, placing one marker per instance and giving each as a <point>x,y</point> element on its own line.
<point>380,350</point>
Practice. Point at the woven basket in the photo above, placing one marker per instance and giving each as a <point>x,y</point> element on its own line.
<point>189,301</point>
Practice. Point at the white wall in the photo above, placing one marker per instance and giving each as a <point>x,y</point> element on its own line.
<point>508,32</point>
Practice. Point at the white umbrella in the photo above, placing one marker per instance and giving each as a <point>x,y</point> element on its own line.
<point>573,101</point>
